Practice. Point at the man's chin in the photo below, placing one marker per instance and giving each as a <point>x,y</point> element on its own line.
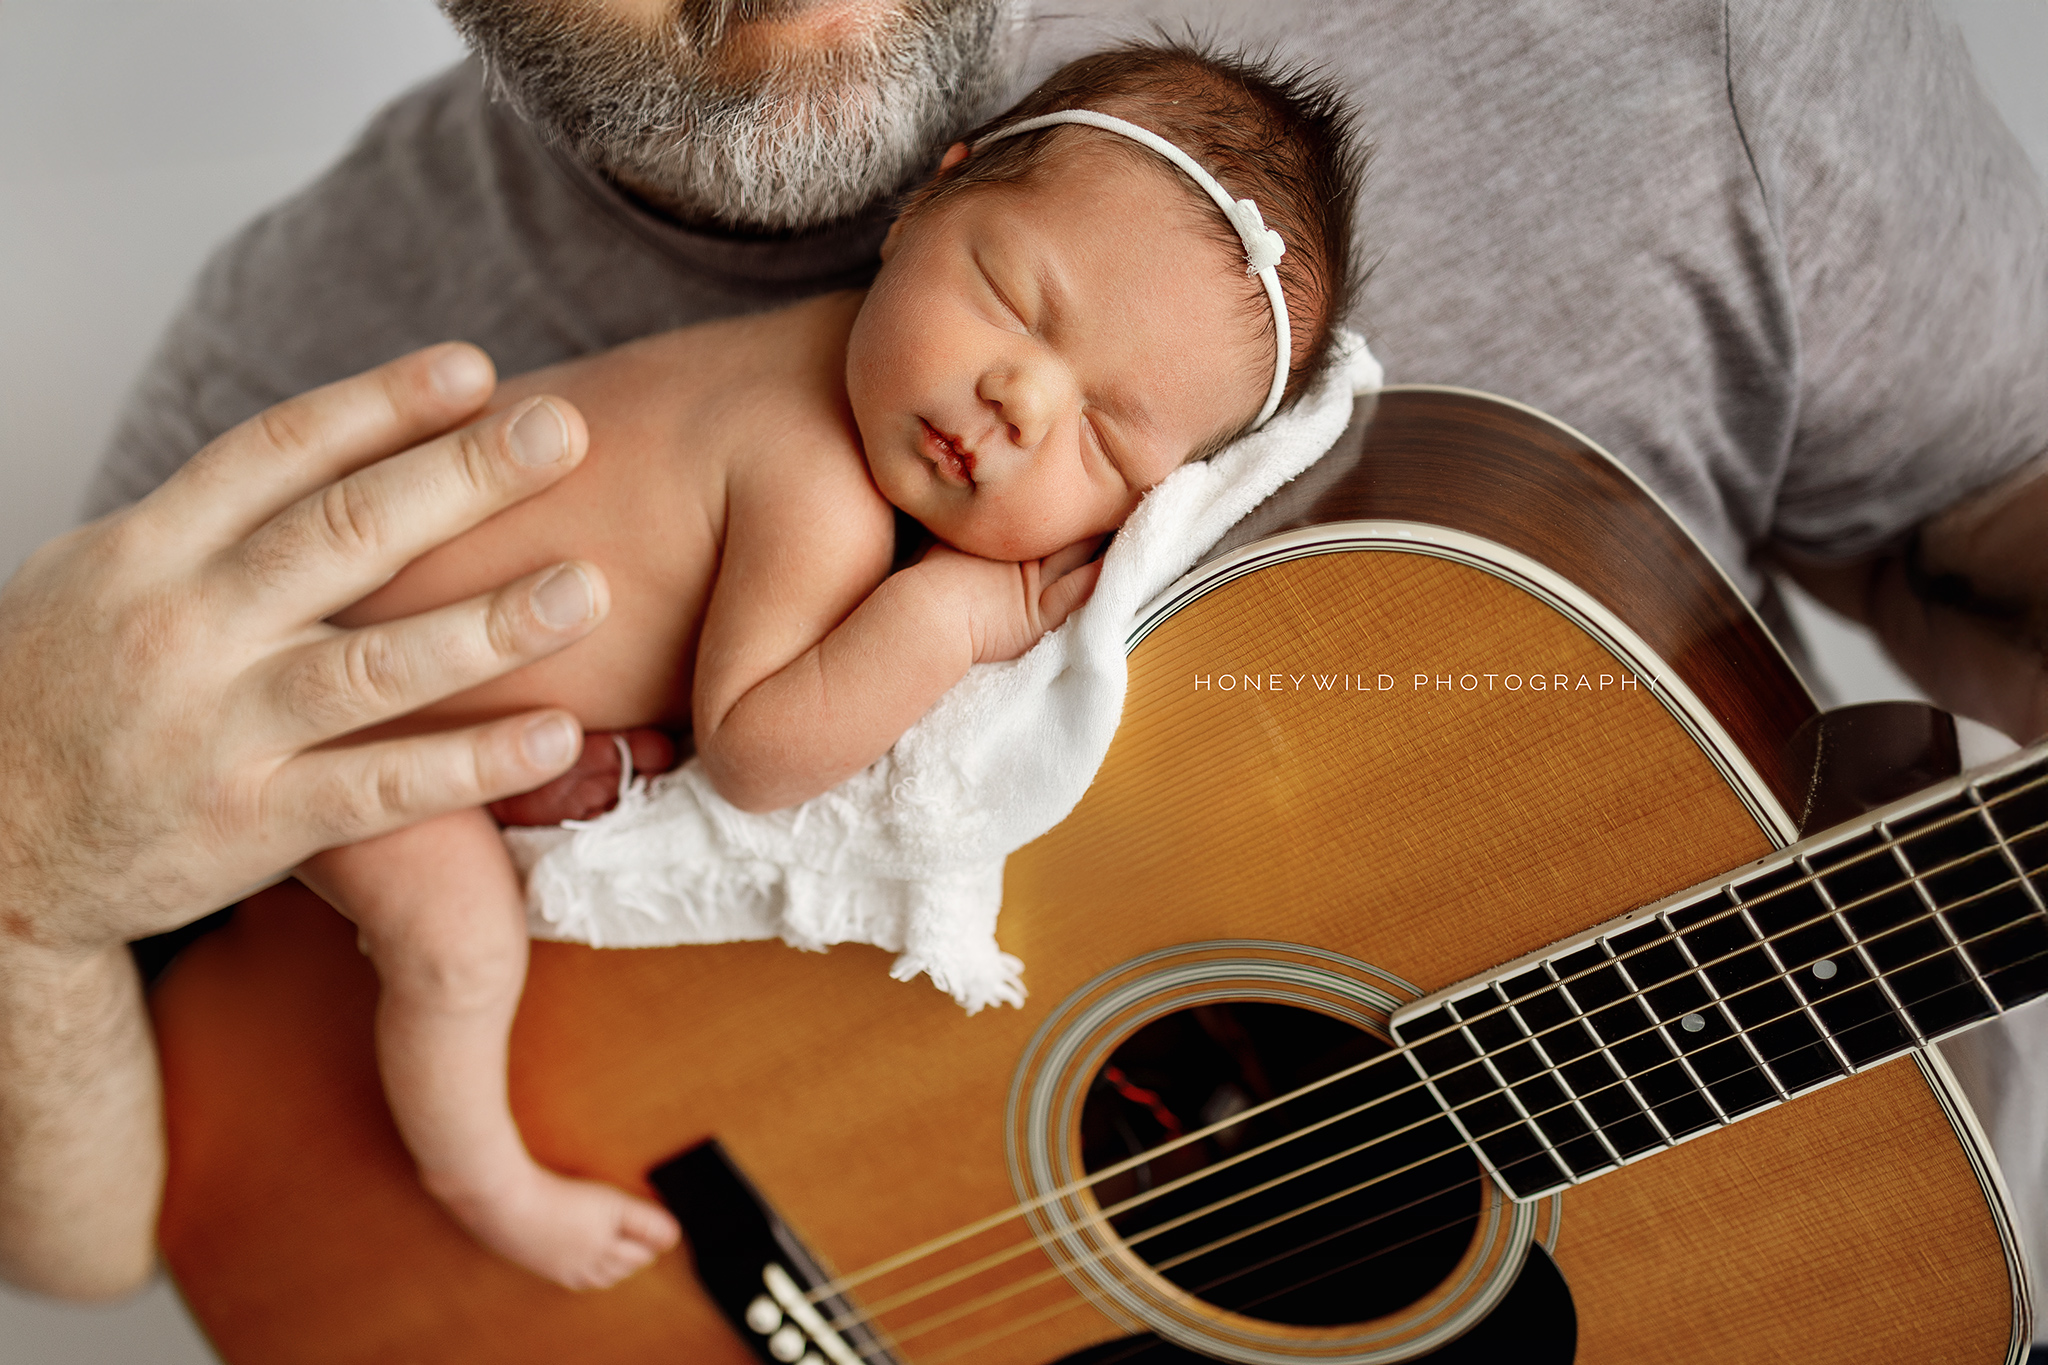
<point>775,118</point>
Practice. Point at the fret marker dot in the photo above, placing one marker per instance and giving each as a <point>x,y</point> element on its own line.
<point>1692,1023</point>
<point>1825,970</point>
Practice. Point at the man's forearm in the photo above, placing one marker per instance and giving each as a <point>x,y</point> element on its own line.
<point>81,1124</point>
<point>1962,605</point>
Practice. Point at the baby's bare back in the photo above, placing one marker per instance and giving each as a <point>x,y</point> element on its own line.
<point>684,427</point>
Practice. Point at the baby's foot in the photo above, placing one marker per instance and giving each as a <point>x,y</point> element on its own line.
<point>579,1233</point>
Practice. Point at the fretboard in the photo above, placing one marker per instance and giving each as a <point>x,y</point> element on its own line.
<point>1837,954</point>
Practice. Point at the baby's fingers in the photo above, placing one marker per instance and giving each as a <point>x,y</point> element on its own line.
<point>1065,594</point>
<point>1062,562</point>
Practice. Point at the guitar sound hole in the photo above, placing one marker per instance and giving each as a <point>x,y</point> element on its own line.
<point>1346,1242</point>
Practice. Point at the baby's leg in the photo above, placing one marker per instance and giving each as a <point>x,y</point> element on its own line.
<point>442,916</point>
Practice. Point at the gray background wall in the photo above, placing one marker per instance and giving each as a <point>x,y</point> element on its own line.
<point>135,134</point>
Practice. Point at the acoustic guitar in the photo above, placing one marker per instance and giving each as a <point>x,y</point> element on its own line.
<point>1435,971</point>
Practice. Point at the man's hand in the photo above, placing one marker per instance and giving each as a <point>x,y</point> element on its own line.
<point>167,682</point>
<point>1011,606</point>
<point>168,687</point>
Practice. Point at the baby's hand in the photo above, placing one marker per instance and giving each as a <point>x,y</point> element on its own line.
<point>1011,605</point>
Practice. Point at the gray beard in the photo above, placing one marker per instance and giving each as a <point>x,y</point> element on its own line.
<point>818,137</point>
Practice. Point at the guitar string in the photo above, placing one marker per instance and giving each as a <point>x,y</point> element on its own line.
<point>1326,1271</point>
<point>1101,1252</point>
<point>1885,1011</point>
<point>994,1220</point>
<point>1435,1116</point>
<point>990,1298</point>
<point>2002,842</point>
<point>1131,1163</point>
<point>930,1286</point>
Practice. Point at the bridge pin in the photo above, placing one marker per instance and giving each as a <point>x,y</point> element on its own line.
<point>764,1315</point>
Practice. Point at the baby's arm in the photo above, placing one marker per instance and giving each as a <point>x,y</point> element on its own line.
<point>784,709</point>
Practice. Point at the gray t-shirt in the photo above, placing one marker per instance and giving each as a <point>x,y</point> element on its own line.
<point>1782,259</point>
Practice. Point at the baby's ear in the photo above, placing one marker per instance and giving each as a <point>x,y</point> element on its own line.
<point>954,155</point>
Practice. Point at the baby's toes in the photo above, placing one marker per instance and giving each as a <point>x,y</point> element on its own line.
<point>617,1261</point>
<point>650,1226</point>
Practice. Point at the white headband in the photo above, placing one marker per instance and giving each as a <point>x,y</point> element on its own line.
<point>1262,246</point>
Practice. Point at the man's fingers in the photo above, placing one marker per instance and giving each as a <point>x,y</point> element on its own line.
<point>286,452</point>
<point>1065,596</point>
<point>342,796</point>
<point>356,678</point>
<point>337,544</point>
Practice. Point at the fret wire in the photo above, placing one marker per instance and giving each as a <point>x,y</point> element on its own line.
<point>1888,1057</point>
<point>1662,1030</point>
<point>1607,1048</point>
<point>1550,1070</point>
<point>1974,938</point>
<point>1789,977</point>
<point>1557,1070</point>
<point>1638,996</point>
<point>1856,943</point>
<point>1788,1014</point>
<point>1714,993</point>
<point>1971,793</point>
<point>1893,1056</point>
<point>1940,916</point>
<point>1810,878</point>
<point>1874,1062</point>
<point>1785,976</point>
<point>1508,1091</point>
<point>2004,846</point>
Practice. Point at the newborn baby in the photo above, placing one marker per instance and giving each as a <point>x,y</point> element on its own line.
<point>1064,315</point>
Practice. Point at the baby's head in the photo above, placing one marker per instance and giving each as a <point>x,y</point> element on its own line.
<point>1064,316</point>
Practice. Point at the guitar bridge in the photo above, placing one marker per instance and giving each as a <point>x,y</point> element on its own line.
<point>755,1268</point>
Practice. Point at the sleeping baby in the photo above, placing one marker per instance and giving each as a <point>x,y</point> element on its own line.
<point>1137,264</point>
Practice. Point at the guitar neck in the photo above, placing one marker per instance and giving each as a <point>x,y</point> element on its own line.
<point>1835,955</point>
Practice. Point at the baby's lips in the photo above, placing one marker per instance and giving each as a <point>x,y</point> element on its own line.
<point>953,461</point>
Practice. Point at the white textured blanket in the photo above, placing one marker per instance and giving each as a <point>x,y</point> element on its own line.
<point>908,853</point>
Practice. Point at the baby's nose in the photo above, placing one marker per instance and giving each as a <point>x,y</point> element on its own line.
<point>1026,398</point>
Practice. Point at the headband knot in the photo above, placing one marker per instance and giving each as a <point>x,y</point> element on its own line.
<point>1262,245</point>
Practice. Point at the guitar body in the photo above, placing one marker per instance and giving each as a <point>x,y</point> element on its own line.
<point>1273,826</point>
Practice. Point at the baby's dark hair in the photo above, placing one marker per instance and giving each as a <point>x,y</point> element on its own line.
<point>1283,138</point>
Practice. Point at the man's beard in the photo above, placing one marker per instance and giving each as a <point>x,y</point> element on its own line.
<point>815,136</point>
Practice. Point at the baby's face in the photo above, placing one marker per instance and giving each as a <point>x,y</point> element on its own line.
<point>1033,357</point>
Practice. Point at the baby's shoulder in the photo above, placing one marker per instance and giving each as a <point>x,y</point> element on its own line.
<point>805,476</point>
